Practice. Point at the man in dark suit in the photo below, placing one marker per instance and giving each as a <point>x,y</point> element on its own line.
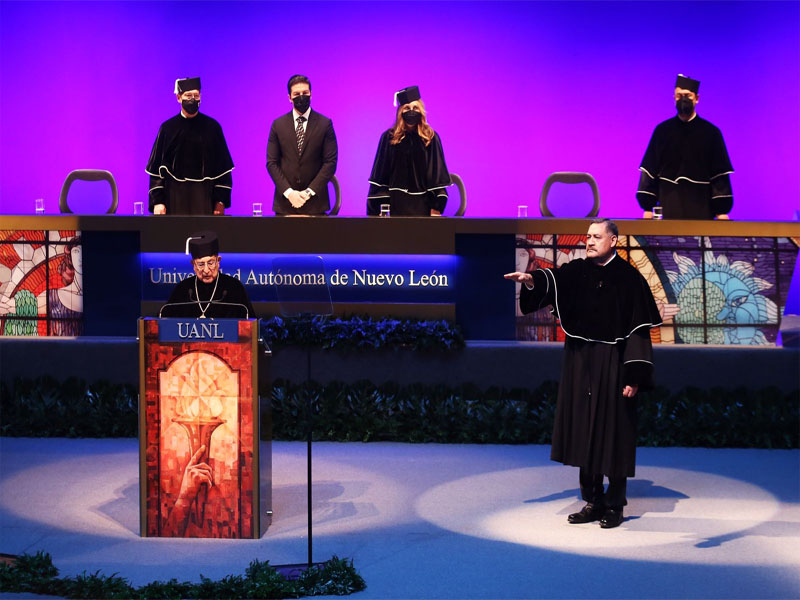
<point>301,155</point>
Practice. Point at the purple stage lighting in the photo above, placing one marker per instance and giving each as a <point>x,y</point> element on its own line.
<point>516,90</point>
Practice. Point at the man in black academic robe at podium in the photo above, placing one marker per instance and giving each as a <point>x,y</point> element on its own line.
<point>190,165</point>
<point>686,169</point>
<point>209,294</point>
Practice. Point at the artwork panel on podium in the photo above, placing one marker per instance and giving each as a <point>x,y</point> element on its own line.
<point>199,445</point>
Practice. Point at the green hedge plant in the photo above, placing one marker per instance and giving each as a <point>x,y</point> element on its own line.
<point>36,574</point>
<point>362,333</point>
<point>363,411</point>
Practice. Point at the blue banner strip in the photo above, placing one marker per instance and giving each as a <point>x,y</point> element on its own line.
<point>195,330</point>
<point>386,278</point>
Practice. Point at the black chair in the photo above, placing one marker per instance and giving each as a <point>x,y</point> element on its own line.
<point>462,192</point>
<point>337,193</point>
<point>88,175</point>
<point>569,177</point>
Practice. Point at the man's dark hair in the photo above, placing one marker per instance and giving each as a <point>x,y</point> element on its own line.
<point>295,79</point>
<point>611,227</point>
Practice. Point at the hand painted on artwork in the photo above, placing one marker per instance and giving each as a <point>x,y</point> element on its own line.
<point>197,478</point>
<point>667,311</point>
<point>7,305</point>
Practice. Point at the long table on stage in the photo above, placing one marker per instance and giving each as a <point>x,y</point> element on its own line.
<point>394,235</point>
<point>465,258</point>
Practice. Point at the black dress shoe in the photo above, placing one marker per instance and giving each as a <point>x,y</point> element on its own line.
<point>590,512</point>
<point>612,518</point>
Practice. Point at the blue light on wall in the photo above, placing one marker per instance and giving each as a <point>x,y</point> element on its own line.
<point>395,278</point>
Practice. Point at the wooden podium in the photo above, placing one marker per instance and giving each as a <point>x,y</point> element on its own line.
<point>202,471</point>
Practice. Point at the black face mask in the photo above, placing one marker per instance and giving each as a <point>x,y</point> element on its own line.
<point>190,106</point>
<point>685,107</point>
<point>301,103</point>
<point>412,117</point>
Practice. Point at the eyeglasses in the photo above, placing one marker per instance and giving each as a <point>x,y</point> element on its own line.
<point>210,264</point>
<point>190,96</point>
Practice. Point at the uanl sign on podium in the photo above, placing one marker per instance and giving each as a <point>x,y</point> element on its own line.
<point>203,472</point>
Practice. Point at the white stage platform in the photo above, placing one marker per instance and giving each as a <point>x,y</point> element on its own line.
<point>436,521</point>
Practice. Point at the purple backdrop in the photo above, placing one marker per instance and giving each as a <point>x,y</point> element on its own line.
<point>516,90</point>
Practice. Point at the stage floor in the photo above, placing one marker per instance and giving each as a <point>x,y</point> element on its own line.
<point>436,521</point>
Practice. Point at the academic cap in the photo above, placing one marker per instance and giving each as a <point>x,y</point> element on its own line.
<point>202,243</point>
<point>687,83</point>
<point>184,85</point>
<point>406,95</point>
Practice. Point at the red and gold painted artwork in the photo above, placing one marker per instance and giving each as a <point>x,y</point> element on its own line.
<point>199,437</point>
<point>41,283</point>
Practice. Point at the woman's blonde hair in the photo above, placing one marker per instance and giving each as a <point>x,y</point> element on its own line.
<point>400,128</point>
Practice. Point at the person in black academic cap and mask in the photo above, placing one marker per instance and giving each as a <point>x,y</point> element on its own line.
<point>686,169</point>
<point>209,294</point>
<point>190,166</point>
<point>409,172</point>
<point>301,155</point>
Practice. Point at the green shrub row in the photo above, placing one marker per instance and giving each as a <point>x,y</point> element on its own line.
<point>415,413</point>
<point>362,333</point>
<point>36,574</point>
<point>363,411</point>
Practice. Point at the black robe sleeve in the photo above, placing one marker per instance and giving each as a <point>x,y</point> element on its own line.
<point>223,181</point>
<point>721,167</point>
<point>156,195</point>
<point>438,176</point>
<point>638,360</point>
<point>158,152</point>
<point>542,294</point>
<point>222,190</point>
<point>647,194</point>
<point>380,175</point>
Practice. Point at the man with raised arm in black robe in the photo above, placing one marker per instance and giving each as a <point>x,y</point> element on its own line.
<point>209,294</point>
<point>190,166</point>
<point>686,169</point>
<point>606,310</point>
